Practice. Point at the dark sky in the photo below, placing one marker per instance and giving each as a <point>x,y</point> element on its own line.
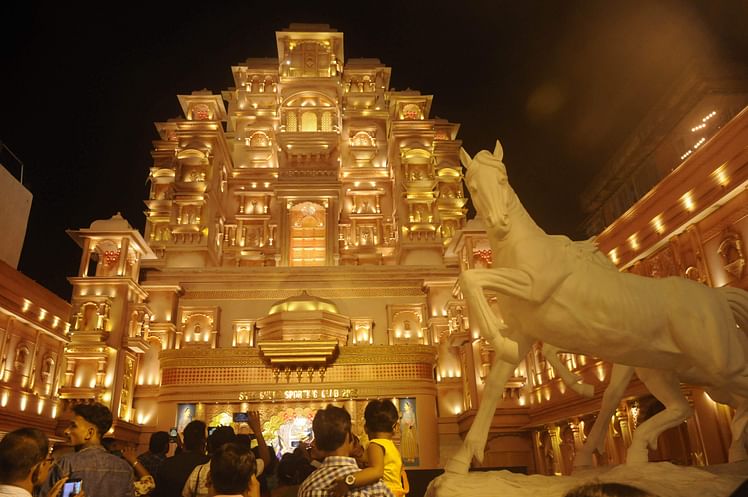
<point>561,83</point>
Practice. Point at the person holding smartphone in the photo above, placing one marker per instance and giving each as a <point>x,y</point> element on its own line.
<point>103,474</point>
<point>25,464</point>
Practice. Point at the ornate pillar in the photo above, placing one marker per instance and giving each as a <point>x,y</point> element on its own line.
<point>32,366</point>
<point>86,258</point>
<point>122,262</point>
<point>554,435</point>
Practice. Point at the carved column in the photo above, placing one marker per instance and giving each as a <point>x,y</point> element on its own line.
<point>86,258</point>
<point>122,262</point>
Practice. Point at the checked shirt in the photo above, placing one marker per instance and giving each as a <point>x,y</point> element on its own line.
<point>333,468</point>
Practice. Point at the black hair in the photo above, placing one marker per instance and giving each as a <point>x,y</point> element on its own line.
<point>220,436</point>
<point>108,443</point>
<point>331,425</point>
<point>194,435</point>
<point>607,490</point>
<point>293,469</point>
<point>244,438</point>
<point>159,443</point>
<point>97,414</point>
<point>231,468</point>
<point>20,450</point>
<point>380,416</point>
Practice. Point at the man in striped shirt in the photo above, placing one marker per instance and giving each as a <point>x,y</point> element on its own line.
<point>332,436</point>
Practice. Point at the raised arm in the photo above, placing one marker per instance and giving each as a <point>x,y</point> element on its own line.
<point>254,423</point>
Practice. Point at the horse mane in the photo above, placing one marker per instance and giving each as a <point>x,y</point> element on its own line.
<point>587,251</point>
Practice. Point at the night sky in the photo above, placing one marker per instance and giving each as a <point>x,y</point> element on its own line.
<point>561,83</point>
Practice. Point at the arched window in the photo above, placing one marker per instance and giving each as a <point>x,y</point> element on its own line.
<point>308,121</point>
<point>308,235</point>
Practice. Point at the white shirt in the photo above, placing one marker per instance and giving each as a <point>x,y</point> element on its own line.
<point>13,491</point>
<point>202,470</point>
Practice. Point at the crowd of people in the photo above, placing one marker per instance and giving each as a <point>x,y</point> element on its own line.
<point>222,464</point>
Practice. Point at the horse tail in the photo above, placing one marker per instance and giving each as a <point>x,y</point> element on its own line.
<point>738,302</point>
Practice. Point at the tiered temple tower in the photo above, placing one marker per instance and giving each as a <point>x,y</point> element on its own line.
<point>312,163</point>
<point>294,251</point>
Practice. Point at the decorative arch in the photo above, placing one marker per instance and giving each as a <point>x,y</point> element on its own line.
<point>308,99</point>
<point>259,139</point>
<point>411,112</point>
<point>201,112</point>
<point>21,359</point>
<point>362,139</point>
<point>198,327</point>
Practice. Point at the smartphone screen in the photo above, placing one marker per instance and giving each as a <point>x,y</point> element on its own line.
<point>72,487</point>
<point>173,434</point>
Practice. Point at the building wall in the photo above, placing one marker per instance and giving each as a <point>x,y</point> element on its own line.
<point>33,334</point>
<point>15,206</point>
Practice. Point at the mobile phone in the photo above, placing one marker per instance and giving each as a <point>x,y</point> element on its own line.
<point>241,417</point>
<point>173,434</point>
<point>72,487</point>
<point>211,429</point>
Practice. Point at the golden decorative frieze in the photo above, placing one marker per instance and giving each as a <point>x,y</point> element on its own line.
<point>387,354</point>
<point>250,357</point>
<point>329,293</point>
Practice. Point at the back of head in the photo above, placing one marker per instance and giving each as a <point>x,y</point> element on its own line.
<point>607,490</point>
<point>194,435</point>
<point>331,425</point>
<point>244,439</point>
<point>231,468</point>
<point>380,416</point>
<point>293,469</point>
<point>220,436</point>
<point>97,414</point>
<point>159,443</point>
<point>20,450</point>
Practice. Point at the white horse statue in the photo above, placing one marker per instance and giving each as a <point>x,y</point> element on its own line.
<point>569,295</point>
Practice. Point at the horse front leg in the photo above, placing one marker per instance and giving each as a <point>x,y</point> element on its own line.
<point>475,441</point>
<point>506,281</point>
<point>620,376</point>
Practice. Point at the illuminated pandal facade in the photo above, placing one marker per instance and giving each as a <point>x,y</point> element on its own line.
<point>301,247</point>
<point>293,256</point>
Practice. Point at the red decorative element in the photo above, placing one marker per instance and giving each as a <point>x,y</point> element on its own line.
<point>110,257</point>
<point>483,255</point>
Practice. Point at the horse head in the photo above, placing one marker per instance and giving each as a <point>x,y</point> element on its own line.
<point>488,183</point>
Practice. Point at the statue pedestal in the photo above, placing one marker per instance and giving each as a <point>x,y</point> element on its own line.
<point>662,479</point>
